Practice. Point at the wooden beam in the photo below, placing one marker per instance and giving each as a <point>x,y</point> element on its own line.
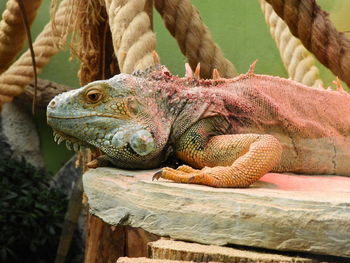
<point>178,250</point>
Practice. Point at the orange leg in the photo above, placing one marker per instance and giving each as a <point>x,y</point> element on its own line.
<point>224,160</point>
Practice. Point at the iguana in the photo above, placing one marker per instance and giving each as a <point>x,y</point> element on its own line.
<point>229,131</point>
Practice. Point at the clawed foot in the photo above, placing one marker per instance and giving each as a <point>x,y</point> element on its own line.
<point>100,161</point>
<point>157,175</point>
<point>187,174</point>
<point>92,164</point>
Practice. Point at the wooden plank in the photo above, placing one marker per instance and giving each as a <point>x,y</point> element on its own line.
<point>281,212</point>
<point>148,260</point>
<point>177,250</point>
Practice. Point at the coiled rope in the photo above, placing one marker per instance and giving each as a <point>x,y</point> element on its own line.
<point>182,20</point>
<point>312,26</point>
<point>299,63</point>
<point>12,34</point>
<point>20,74</point>
<point>133,39</point>
<point>12,31</point>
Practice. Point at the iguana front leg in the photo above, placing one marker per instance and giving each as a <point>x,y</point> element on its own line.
<point>226,160</point>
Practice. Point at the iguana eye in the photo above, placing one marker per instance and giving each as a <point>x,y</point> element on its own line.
<point>93,96</point>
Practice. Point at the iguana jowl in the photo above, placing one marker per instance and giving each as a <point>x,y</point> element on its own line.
<point>231,131</point>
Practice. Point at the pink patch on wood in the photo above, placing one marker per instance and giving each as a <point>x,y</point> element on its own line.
<point>291,182</point>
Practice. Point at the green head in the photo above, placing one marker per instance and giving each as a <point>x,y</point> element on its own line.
<point>122,116</point>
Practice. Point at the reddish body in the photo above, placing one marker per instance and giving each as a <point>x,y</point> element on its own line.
<point>313,125</point>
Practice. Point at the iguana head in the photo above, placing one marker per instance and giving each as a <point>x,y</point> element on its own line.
<point>122,116</point>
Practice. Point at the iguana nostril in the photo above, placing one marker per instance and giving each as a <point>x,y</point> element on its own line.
<point>52,104</point>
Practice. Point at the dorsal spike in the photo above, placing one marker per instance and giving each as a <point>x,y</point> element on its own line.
<point>156,58</point>
<point>252,67</point>
<point>338,85</point>
<point>216,74</point>
<point>188,71</point>
<point>197,72</point>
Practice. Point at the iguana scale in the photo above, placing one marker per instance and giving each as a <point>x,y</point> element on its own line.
<point>229,131</point>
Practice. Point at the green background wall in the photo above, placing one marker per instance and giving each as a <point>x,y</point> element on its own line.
<point>237,26</point>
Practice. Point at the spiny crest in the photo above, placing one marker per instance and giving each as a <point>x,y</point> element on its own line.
<point>189,73</point>
<point>196,75</point>
<point>156,58</point>
<point>252,68</point>
<point>157,71</point>
<point>216,74</point>
<point>160,72</point>
<point>250,73</point>
<point>338,87</point>
<point>197,72</point>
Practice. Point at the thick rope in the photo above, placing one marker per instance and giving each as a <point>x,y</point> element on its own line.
<point>312,26</point>
<point>299,63</point>
<point>20,74</point>
<point>133,38</point>
<point>183,22</point>
<point>12,31</point>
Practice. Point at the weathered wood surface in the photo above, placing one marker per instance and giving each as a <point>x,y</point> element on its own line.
<point>106,243</point>
<point>137,240</point>
<point>148,260</point>
<point>178,250</point>
<point>281,212</point>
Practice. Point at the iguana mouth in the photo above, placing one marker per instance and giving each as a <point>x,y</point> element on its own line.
<point>72,143</point>
<point>86,116</point>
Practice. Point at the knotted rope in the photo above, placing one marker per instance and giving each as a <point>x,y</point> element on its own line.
<point>312,26</point>
<point>133,38</point>
<point>194,39</point>
<point>12,31</point>
<point>299,63</point>
<point>20,74</point>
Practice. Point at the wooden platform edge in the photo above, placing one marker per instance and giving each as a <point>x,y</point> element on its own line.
<point>309,222</point>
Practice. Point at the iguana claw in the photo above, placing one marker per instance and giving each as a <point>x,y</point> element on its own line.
<point>99,161</point>
<point>157,175</point>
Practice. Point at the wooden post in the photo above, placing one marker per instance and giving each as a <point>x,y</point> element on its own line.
<point>106,243</point>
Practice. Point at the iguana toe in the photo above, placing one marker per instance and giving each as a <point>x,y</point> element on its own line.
<point>180,175</point>
<point>99,161</point>
<point>157,175</point>
<point>186,169</point>
<point>92,164</point>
